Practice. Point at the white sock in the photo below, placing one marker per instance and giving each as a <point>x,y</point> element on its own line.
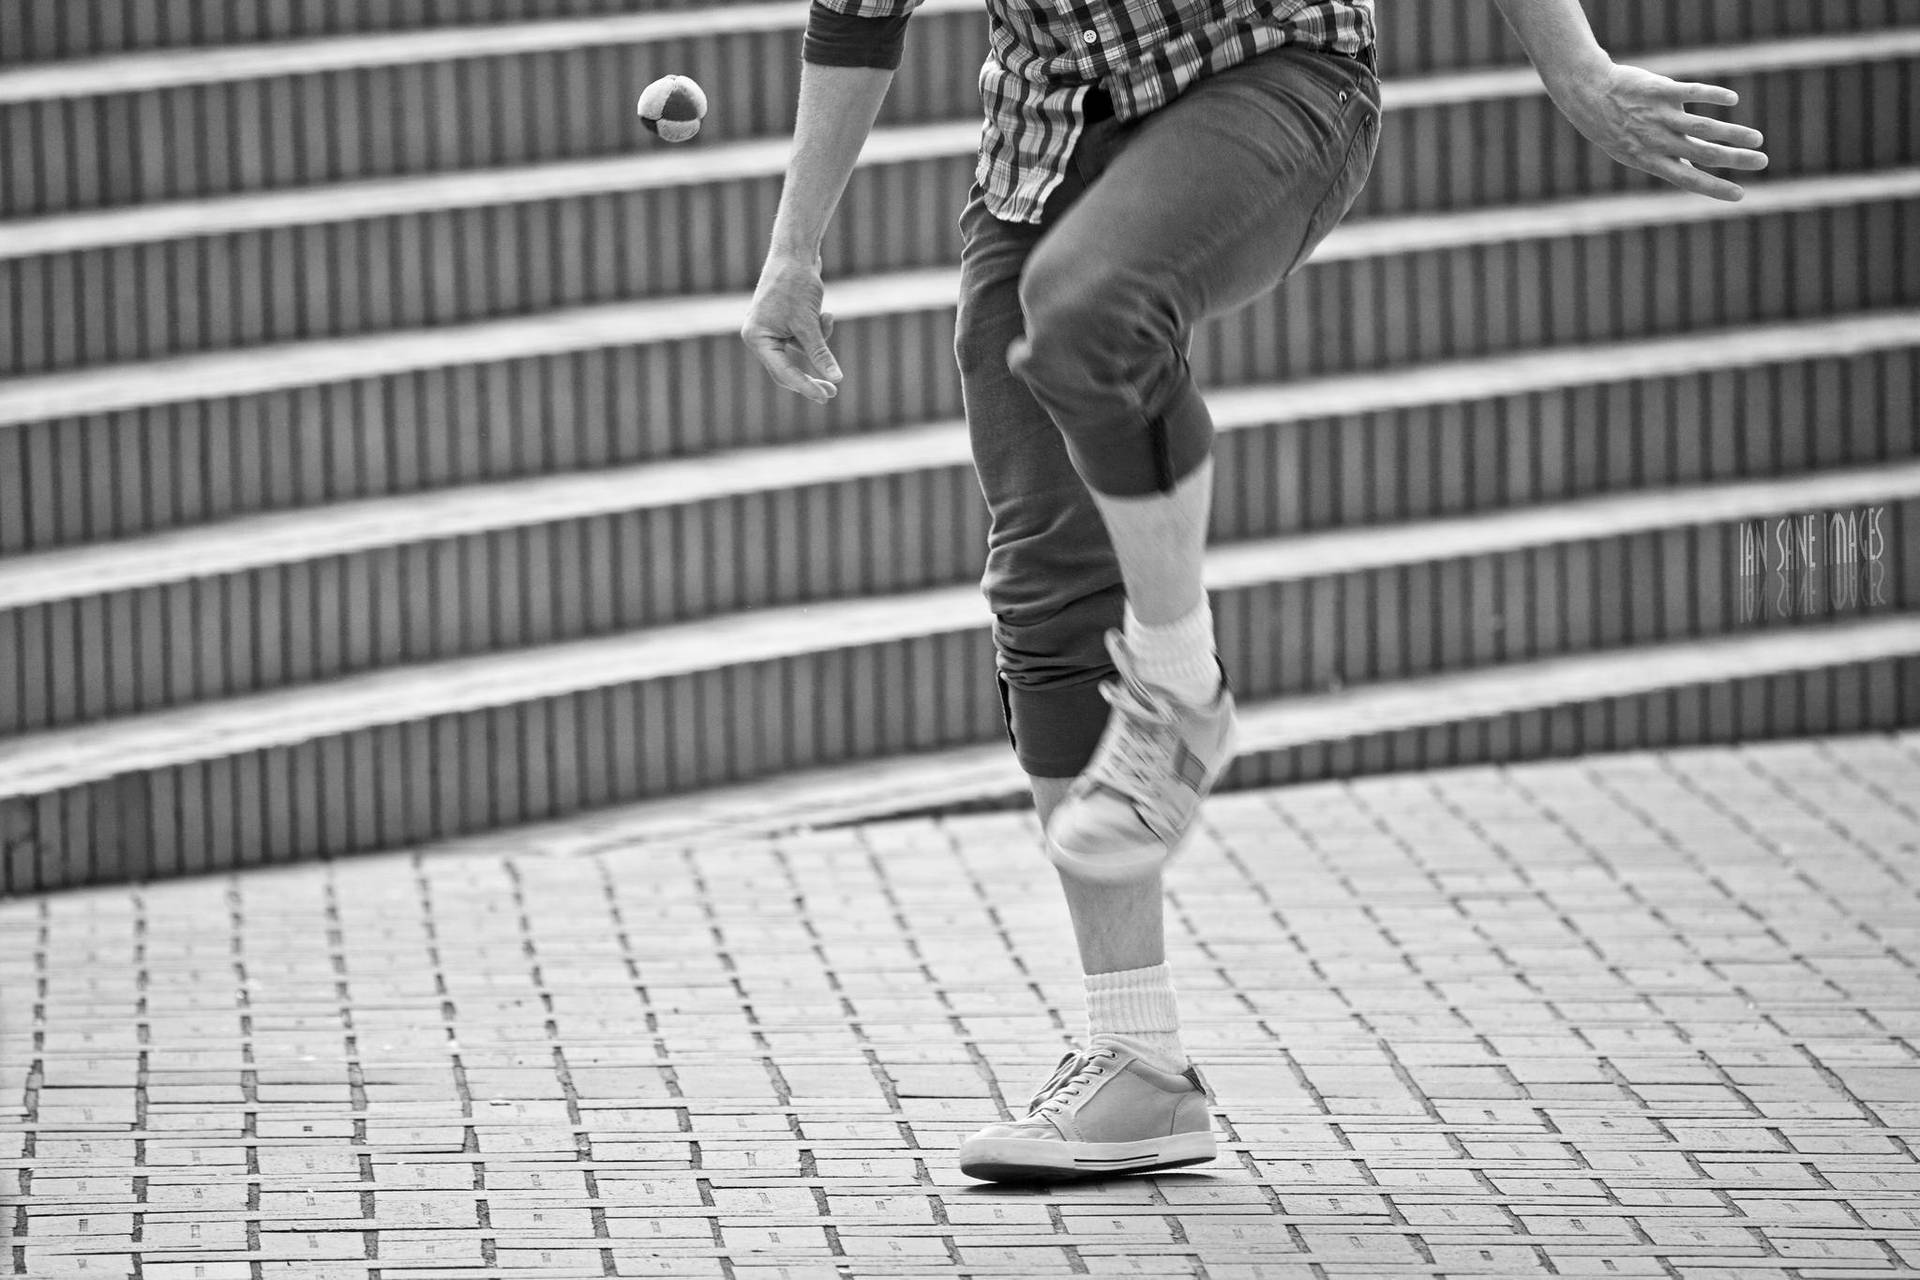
<point>1137,1006</point>
<point>1177,656</point>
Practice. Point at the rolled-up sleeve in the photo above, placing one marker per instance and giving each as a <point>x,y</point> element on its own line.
<point>857,33</point>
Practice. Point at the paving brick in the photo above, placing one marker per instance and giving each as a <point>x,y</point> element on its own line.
<point>1018,1259</point>
<point>311,1246</point>
<point>1498,1259</point>
<point>51,1264</point>
<point>440,1247</point>
<point>1567,1015</point>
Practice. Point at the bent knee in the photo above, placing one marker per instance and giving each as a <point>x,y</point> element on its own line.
<point>1082,312</point>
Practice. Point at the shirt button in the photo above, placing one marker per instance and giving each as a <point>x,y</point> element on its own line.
<point>1089,36</point>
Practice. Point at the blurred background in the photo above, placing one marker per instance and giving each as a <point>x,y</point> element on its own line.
<point>379,464</point>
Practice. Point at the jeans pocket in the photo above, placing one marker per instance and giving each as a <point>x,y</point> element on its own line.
<point>1360,116</point>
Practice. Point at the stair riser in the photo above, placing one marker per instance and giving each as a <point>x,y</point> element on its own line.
<point>87,660</point>
<point>130,651</point>
<point>53,30</point>
<point>142,301</point>
<point>1847,698</point>
<point>1455,615</point>
<point>1378,312</point>
<point>118,474</point>
<point>290,131</point>
<point>458,773</point>
<point>125,652</point>
<point>1433,33</point>
<point>299,131</point>
<point>389,787</point>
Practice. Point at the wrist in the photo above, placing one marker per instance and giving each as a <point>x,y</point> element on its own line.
<point>786,256</point>
<point>1575,72</point>
<point>802,249</point>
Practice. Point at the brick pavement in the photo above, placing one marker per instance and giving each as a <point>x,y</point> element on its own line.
<point>1650,1015</point>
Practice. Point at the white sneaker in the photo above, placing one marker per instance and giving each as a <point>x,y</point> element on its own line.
<point>1105,1110</point>
<point>1134,805</point>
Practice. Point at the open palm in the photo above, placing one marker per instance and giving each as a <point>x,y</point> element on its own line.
<point>1640,118</point>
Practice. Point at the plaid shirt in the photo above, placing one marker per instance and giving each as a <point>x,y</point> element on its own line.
<point>1043,55</point>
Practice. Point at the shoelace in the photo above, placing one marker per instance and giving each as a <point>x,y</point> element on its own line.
<point>1138,751</point>
<point>1075,1070</point>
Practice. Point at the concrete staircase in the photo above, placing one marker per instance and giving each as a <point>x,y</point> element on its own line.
<point>378,464</point>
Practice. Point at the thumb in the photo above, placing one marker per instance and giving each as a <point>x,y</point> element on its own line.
<point>815,343</point>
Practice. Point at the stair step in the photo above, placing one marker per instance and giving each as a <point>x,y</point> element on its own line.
<point>33,31</point>
<point>1863,675</point>
<point>785,688</point>
<point>427,46</point>
<point>660,169</point>
<point>254,603</point>
<point>408,787</point>
<point>666,168</point>
<point>1440,33</point>
<point>168,127</point>
<point>173,124</point>
<point>663,168</point>
<point>122,449</point>
<point>337,529</point>
<point>252,371</point>
<point>375,256</point>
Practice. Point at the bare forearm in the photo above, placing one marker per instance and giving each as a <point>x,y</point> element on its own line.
<point>835,115</point>
<point>785,326</point>
<point>1558,39</point>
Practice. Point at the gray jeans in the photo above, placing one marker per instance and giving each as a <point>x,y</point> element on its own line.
<point>1072,340</point>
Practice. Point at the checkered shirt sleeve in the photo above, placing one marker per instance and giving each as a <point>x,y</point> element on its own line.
<point>871,8</point>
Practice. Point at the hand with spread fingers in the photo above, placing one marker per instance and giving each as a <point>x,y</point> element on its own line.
<point>787,330</point>
<point>1641,119</point>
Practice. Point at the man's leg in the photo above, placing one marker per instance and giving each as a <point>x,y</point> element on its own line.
<point>1118,928</point>
<point>1054,586</point>
<point>1209,203</point>
<point>1052,580</point>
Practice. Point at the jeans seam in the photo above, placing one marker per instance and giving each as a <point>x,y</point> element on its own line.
<point>1197,250</point>
<point>1307,242</point>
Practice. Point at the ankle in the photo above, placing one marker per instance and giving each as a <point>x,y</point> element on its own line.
<point>1178,656</point>
<point>1160,1049</point>
<point>1137,1006</point>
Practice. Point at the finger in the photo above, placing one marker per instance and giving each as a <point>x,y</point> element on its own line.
<point>1713,156</point>
<point>1722,131</point>
<point>798,359</point>
<point>813,342</point>
<point>1688,178</point>
<point>779,358</point>
<point>1718,95</point>
<point>826,317</point>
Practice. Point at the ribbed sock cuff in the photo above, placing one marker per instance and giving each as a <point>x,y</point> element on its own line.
<point>1138,1004</point>
<point>1177,656</point>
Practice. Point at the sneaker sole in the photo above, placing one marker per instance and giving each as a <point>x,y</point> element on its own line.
<point>1125,868</point>
<point>1042,1159</point>
<point>1111,868</point>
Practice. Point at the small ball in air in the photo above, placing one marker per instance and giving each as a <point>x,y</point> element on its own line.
<point>673,107</point>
